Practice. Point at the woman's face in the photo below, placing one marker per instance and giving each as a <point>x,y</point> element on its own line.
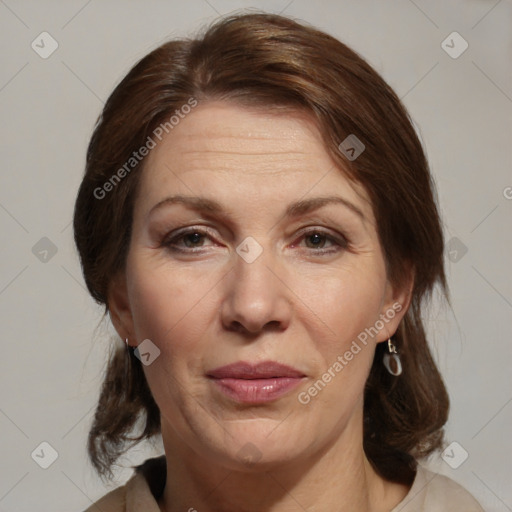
<point>250,246</point>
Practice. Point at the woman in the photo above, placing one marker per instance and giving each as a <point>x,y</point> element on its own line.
<point>258,218</point>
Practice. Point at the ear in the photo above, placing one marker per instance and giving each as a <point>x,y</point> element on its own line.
<point>396,302</point>
<point>119,308</point>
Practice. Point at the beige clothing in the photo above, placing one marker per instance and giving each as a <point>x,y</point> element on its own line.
<point>430,492</point>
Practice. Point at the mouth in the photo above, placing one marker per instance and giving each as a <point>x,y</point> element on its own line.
<point>252,384</point>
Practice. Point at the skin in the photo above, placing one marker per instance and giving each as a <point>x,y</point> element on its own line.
<point>294,304</point>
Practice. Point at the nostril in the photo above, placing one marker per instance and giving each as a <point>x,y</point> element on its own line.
<point>274,325</point>
<point>237,326</point>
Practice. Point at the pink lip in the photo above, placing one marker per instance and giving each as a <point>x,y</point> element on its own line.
<point>248,383</point>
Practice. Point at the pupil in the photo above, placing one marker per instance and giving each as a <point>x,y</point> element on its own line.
<point>194,238</point>
<point>316,239</point>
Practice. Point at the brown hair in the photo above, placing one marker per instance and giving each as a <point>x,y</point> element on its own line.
<point>273,61</point>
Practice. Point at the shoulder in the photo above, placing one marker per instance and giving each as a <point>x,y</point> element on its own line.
<point>432,492</point>
<point>140,492</point>
<point>114,501</point>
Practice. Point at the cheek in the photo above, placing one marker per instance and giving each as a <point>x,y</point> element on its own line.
<point>346,301</point>
<point>344,352</point>
<point>169,307</point>
<point>341,307</point>
<point>173,310</point>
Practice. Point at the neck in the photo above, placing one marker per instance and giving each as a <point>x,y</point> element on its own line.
<point>337,478</point>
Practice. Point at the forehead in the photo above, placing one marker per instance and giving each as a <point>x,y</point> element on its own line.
<point>225,130</point>
<point>221,147</point>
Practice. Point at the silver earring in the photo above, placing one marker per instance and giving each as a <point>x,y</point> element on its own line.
<point>392,360</point>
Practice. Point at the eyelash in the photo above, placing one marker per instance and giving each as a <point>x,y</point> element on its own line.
<point>338,242</point>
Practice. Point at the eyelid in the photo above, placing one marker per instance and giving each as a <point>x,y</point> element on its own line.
<point>187,230</point>
<point>190,229</point>
<point>338,238</point>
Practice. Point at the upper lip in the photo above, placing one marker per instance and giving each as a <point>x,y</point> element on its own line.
<point>263,370</point>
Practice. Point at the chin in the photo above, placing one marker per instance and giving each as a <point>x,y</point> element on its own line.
<point>260,448</point>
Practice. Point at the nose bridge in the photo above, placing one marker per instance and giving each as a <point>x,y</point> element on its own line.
<point>252,277</point>
<point>256,297</point>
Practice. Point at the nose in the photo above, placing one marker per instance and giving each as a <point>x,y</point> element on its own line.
<point>256,297</point>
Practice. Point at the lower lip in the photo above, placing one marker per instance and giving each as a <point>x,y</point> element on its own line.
<point>257,390</point>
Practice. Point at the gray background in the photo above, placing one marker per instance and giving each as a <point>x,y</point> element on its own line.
<point>54,343</point>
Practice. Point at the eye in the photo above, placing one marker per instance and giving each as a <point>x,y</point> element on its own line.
<point>187,240</point>
<point>323,242</point>
<point>193,239</point>
<point>316,240</point>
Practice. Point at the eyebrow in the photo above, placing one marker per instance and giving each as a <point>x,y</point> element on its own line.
<point>293,210</point>
<point>308,205</point>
